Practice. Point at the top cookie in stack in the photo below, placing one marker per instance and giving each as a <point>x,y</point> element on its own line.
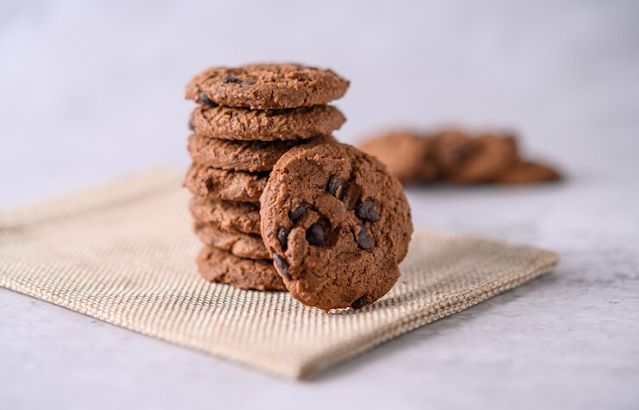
<point>247,118</point>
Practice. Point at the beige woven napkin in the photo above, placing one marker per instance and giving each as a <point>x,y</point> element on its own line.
<point>125,254</point>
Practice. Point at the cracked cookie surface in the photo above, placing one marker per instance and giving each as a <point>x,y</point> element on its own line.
<point>216,265</point>
<point>336,223</point>
<point>266,86</point>
<point>239,244</point>
<point>266,125</point>
<point>213,183</point>
<point>253,156</point>
<point>243,217</point>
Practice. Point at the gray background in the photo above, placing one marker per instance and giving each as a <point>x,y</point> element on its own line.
<point>93,90</point>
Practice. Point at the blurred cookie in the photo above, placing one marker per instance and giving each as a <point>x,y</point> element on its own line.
<point>337,225</point>
<point>528,173</point>
<point>239,244</point>
<point>216,265</point>
<point>266,125</point>
<point>407,155</point>
<point>209,182</point>
<point>462,159</point>
<point>243,217</point>
<point>266,86</point>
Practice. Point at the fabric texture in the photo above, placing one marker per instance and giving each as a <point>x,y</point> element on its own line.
<point>125,254</point>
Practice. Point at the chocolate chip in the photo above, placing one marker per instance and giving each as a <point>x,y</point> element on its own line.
<point>234,115</point>
<point>205,100</point>
<point>364,239</point>
<point>248,82</point>
<point>281,265</point>
<point>191,126</point>
<point>336,187</point>
<point>367,211</point>
<point>273,113</point>
<point>282,236</point>
<point>210,185</point>
<point>316,235</point>
<point>297,212</point>
<point>230,79</point>
<point>359,303</point>
<point>262,145</point>
<point>461,153</point>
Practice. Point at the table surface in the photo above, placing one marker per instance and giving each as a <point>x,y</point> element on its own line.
<point>568,340</point>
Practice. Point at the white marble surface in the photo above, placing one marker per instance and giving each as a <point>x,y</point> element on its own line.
<point>92,91</point>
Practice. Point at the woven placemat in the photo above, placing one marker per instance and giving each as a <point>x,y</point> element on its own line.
<point>124,253</point>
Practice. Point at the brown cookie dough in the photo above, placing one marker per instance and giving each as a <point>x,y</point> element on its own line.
<point>239,244</point>
<point>407,155</point>
<point>266,125</point>
<point>266,86</point>
<point>243,217</point>
<point>216,265</point>
<point>251,156</point>
<point>227,185</point>
<point>337,225</point>
<point>528,173</point>
<point>462,159</point>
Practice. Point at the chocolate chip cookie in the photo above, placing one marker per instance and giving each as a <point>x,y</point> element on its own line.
<point>239,244</point>
<point>227,185</point>
<point>242,217</point>
<point>407,155</point>
<point>528,173</point>
<point>266,86</point>
<point>336,223</point>
<point>251,156</point>
<point>216,265</point>
<point>266,125</point>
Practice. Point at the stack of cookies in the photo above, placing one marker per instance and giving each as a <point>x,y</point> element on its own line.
<point>454,156</point>
<point>247,118</point>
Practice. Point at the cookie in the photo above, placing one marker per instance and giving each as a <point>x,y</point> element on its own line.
<point>229,216</point>
<point>251,156</point>
<point>266,86</point>
<point>266,125</point>
<point>227,185</point>
<point>216,265</point>
<point>336,223</point>
<point>407,155</point>
<point>462,159</point>
<point>239,244</point>
<point>528,173</point>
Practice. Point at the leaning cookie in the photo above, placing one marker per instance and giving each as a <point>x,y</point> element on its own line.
<point>251,156</point>
<point>227,185</point>
<point>216,265</point>
<point>242,217</point>
<point>528,173</point>
<point>239,244</point>
<point>266,86</point>
<point>337,224</point>
<point>266,125</point>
